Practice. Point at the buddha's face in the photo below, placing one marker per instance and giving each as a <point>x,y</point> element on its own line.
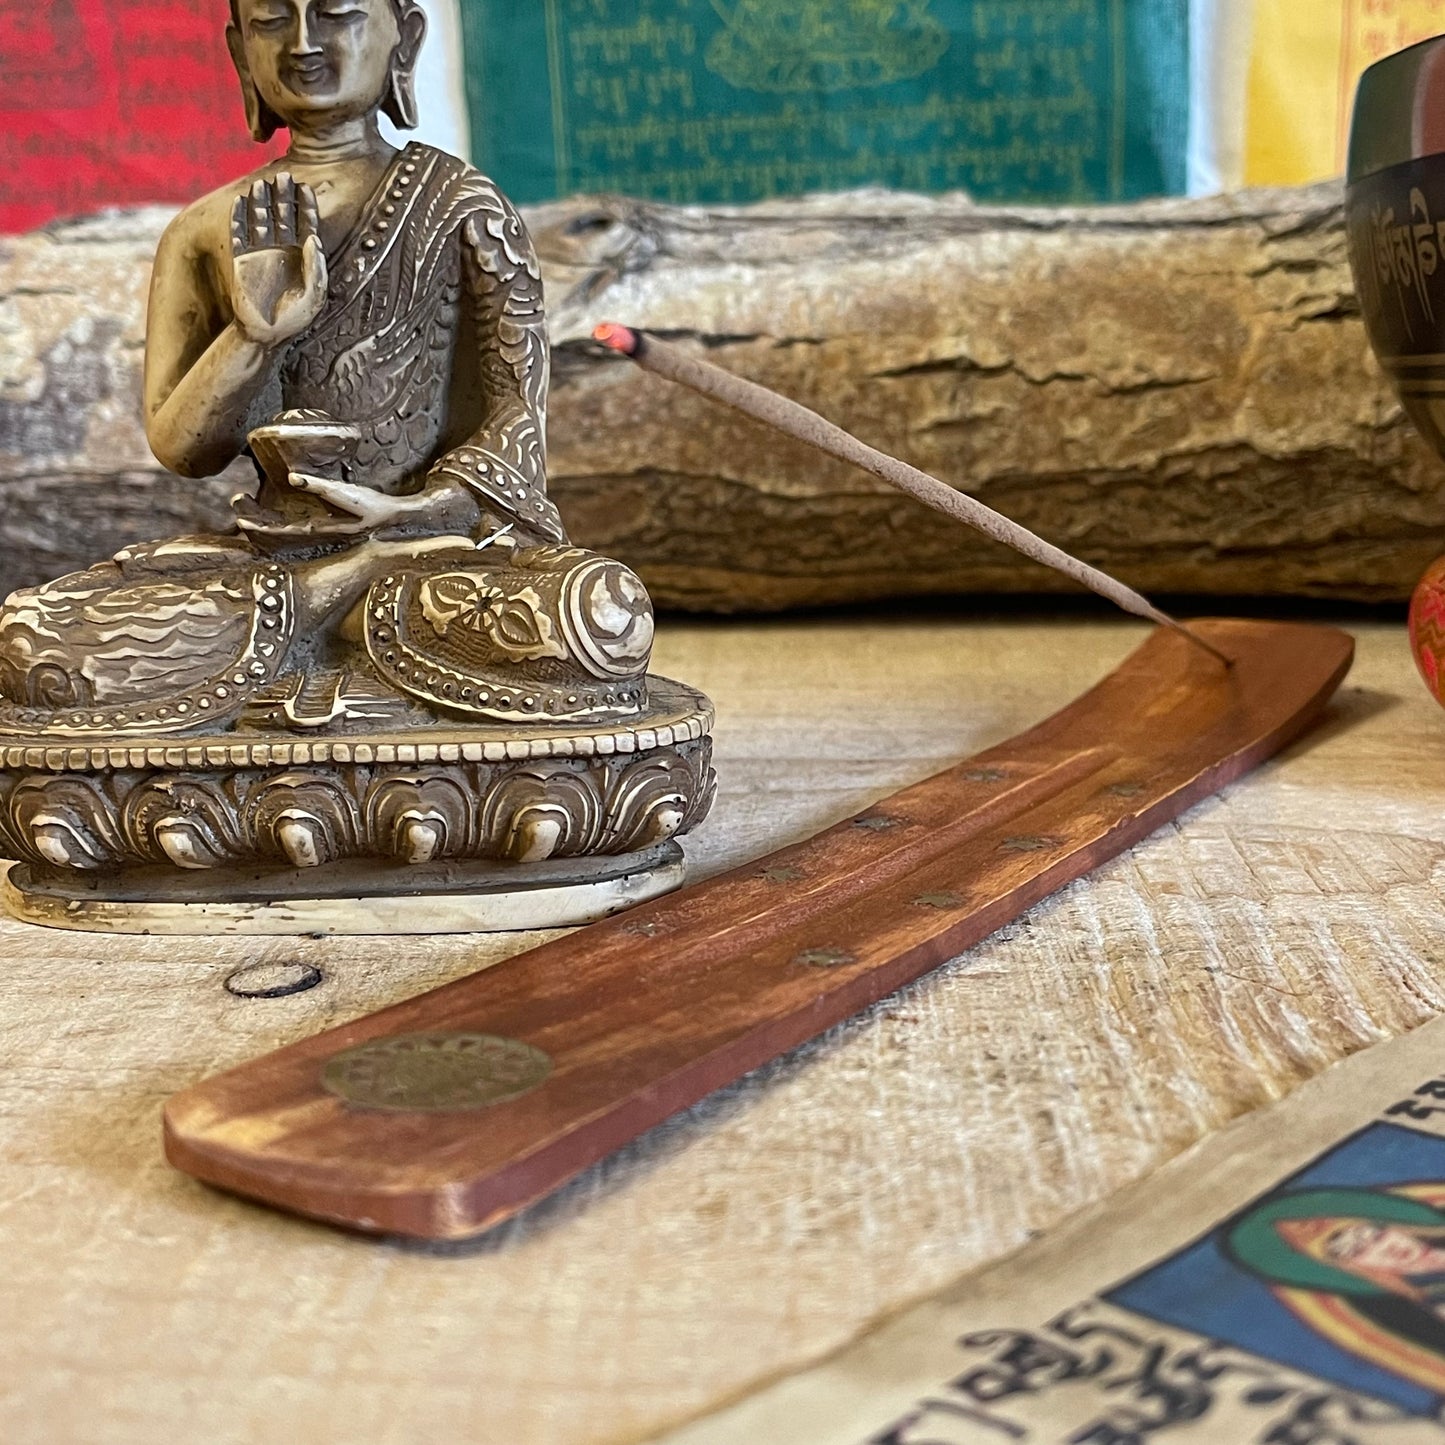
<point>313,58</point>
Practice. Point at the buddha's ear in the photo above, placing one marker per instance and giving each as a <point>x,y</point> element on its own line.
<point>262,122</point>
<point>399,107</point>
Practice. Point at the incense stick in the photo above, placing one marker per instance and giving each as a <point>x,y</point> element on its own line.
<point>796,420</point>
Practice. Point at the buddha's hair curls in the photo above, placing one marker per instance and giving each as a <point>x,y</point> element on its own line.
<point>398,104</point>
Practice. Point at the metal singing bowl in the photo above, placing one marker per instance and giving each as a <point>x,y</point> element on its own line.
<point>1395,215</point>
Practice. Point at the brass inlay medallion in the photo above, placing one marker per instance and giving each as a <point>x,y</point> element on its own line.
<point>435,1073</point>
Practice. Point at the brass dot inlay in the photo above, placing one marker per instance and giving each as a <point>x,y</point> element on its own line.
<point>826,957</point>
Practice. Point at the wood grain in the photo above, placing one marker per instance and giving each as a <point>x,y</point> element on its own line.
<point>1179,391</point>
<point>644,1015</point>
<point>1290,920</point>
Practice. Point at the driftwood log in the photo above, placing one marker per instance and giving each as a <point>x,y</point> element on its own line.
<point>1180,392</point>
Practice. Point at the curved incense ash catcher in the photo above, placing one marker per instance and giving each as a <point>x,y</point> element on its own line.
<point>448,1113</point>
<point>442,1116</point>
<point>1395,213</point>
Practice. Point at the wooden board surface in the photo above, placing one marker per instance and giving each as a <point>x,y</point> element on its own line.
<point>1268,933</point>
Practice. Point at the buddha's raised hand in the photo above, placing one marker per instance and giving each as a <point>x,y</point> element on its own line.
<point>278,269</point>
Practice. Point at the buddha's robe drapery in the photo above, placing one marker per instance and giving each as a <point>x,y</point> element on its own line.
<point>437,259</point>
<point>432,344</point>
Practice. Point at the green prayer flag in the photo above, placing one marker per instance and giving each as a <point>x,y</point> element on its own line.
<point>736,100</point>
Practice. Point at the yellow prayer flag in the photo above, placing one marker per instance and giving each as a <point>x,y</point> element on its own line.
<point>1305,58</point>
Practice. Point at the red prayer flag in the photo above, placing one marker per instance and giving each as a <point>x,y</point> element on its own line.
<point>116,102</point>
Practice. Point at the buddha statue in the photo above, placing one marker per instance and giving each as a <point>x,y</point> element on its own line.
<point>366,324</point>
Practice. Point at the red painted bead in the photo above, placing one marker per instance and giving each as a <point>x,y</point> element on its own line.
<point>1427,628</point>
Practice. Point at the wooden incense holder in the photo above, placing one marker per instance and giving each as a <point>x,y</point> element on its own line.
<point>442,1116</point>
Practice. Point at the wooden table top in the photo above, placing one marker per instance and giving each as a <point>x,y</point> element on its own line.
<point>1267,934</point>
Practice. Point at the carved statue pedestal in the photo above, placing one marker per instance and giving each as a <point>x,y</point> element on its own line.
<point>438,829</point>
<point>345,897</point>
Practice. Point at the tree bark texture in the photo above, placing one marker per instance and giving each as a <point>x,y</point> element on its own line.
<point>1180,392</point>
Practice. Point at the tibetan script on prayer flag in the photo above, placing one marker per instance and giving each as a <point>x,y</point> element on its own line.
<point>1283,1282</point>
<point>735,100</point>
